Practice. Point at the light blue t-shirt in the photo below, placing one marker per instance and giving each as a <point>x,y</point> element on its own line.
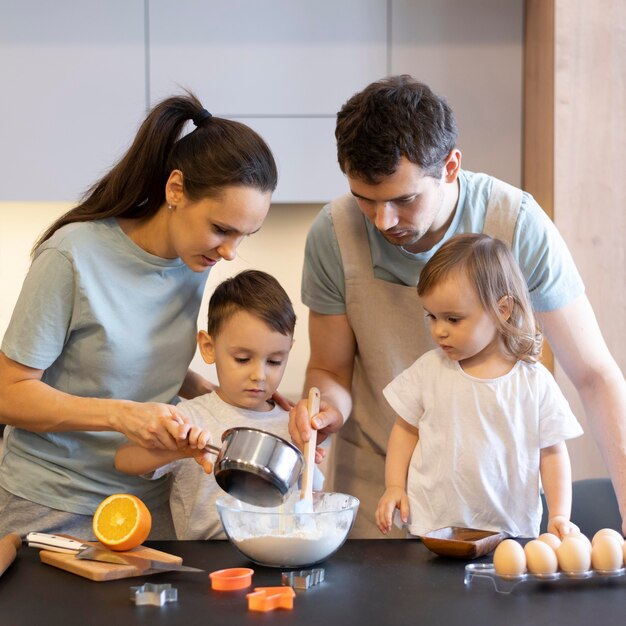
<point>104,319</point>
<point>546,263</point>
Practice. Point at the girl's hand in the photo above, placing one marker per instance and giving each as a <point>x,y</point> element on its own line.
<point>560,526</point>
<point>150,424</point>
<point>394,498</point>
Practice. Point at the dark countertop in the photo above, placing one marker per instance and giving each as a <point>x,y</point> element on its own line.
<point>387,582</point>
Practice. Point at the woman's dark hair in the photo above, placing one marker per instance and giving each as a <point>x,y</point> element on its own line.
<point>393,118</point>
<point>217,154</point>
<point>256,292</point>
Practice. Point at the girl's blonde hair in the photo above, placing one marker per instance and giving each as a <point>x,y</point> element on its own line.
<point>491,268</point>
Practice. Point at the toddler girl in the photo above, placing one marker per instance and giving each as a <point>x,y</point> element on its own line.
<point>480,423</point>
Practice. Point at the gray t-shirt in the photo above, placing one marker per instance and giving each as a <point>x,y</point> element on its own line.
<point>546,263</point>
<point>104,319</point>
<point>193,495</point>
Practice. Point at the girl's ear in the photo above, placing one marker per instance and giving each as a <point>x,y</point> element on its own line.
<point>207,348</point>
<point>505,306</point>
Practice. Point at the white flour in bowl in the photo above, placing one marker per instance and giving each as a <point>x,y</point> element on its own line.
<point>294,550</point>
<point>282,538</point>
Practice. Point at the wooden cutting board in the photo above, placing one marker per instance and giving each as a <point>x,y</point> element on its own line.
<point>99,571</point>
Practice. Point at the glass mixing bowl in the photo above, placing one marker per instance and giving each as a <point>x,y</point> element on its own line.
<point>288,538</point>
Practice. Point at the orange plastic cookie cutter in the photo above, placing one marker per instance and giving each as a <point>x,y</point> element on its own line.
<point>231,579</point>
<point>270,598</point>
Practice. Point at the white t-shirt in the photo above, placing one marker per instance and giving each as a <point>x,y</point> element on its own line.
<point>476,463</point>
<point>193,494</point>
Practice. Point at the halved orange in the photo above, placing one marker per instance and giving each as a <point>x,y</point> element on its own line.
<point>122,522</point>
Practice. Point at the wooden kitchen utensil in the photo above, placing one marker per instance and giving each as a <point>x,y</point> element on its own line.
<point>98,571</point>
<point>9,545</point>
<point>305,505</point>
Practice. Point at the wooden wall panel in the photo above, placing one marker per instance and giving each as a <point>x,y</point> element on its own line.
<point>573,159</point>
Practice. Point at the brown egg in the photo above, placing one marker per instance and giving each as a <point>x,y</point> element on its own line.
<point>540,557</point>
<point>606,554</point>
<point>509,558</point>
<point>576,534</point>
<point>611,533</point>
<point>552,540</point>
<point>573,555</point>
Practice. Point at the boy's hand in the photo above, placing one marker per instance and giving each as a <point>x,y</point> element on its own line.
<point>560,526</point>
<point>198,439</point>
<point>203,458</point>
<point>194,444</point>
<point>394,498</point>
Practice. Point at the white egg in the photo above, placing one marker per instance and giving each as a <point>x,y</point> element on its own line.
<point>552,540</point>
<point>509,558</point>
<point>540,557</point>
<point>606,553</point>
<point>610,532</point>
<point>573,555</point>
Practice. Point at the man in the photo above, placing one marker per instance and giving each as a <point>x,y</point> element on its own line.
<point>396,143</point>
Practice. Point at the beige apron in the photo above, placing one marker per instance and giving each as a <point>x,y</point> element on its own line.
<point>391,333</point>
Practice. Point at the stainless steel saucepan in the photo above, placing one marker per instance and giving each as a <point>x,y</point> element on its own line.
<point>255,466</point>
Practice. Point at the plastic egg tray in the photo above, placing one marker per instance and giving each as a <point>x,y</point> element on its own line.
<point>506,584</point>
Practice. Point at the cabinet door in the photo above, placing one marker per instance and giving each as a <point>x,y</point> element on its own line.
<point>470,52</point>
<point>73,93</point>
<point>282,67</point>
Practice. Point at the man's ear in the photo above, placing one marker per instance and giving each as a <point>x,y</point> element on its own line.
<point>452,166</point>
<point>207,348</point>
<point>505,306</point>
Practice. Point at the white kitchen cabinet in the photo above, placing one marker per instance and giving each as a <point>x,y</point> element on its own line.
<point>471,52</point>
<point>73,92</point>
<point>282,67</point>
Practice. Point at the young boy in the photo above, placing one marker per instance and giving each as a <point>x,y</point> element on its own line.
<point>249,335</point>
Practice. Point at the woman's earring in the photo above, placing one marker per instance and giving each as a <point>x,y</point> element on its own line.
<point>171,207</point>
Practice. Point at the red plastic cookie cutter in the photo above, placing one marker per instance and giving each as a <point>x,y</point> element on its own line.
<point>270,598</point>
<point>231,579</point>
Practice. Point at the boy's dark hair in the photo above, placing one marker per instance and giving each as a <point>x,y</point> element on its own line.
<point>393,118</point>
<point>257,293</point>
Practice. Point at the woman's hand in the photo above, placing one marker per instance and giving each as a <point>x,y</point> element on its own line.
<point>394,498</point>
<point>150,424</point>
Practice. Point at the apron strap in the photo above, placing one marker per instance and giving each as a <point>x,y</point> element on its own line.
<point>351,233</point>
<point>502,211</point>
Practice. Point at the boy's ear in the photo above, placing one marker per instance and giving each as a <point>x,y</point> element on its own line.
<point>207,349</point>
<point>505,306</point>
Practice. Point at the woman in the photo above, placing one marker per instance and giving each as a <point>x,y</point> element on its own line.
<point>100,341</point>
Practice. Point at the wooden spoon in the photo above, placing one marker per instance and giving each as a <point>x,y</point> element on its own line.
<point>306,492</point>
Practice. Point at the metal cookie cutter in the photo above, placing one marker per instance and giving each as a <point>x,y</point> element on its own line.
<point>157,595</point>
<point>303,579</point>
